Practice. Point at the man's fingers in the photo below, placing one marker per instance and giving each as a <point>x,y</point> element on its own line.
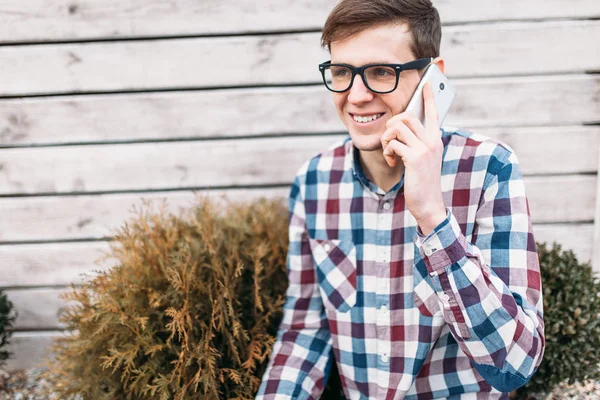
<point>415,126</point>
<point>431,116</point>
<point>401,132</point>
<point>386,138</point>
<point>393,149</point>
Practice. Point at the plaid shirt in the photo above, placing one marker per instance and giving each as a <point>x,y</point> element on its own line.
<point>406,316</point>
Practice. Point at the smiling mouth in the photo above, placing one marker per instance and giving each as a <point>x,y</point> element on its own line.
<point>366,118</point>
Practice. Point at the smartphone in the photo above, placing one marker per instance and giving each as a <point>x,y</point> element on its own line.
<point>443,93</point>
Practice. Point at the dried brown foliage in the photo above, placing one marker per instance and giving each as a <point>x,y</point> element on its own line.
<point>190,312</point>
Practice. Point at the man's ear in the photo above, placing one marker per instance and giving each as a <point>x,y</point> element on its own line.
<point>439,61</point>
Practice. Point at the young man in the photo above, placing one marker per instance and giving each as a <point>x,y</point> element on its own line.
<point>412,262</point>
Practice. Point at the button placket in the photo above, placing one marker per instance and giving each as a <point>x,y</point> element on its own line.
<point>384,255</point>
<point>381,255</point>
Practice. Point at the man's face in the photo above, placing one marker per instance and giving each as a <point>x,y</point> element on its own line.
<point>388,44</point>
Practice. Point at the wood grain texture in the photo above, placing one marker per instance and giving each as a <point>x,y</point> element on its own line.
<point>99,216</point>
<point>29,349</point>
<point>553,199</point>
<point>478,50</point>
<point>480,103</point>
<point>52,264</point>
<point>148,166</point>
<point>42,20</point>
<point>596,251</point>
<point>195,164</point>
<point>40,308</point>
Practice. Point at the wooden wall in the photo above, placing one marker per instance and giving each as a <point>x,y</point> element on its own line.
<point>105,103</point>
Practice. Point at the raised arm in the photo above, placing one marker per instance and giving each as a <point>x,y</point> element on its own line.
<point>490,290</point>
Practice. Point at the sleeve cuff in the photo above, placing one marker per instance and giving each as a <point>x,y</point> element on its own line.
<point>444,246</point>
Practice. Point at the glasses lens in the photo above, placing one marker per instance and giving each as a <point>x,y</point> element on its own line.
<point>380,78</point>
<point>338,78</point>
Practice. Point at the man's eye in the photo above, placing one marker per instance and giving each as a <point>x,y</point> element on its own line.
<point>339,72</point>
<point>383,72</point>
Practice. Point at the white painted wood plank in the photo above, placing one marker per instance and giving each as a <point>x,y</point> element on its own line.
<point>38,308</point>
<point>561,198</point>
<point>552,199</point>
<point>52,264</point>
<point>506,49</point>
<point>97,216</point>
<point>41,307</point>
<point>29,349</point>
<point>177,165</point>
<point>41,20</point>
<point>148,166</point>
<point>576,237</point>
<point>479,50</point>
<point>517,101</point>
<point>483,10</point>
<point>550,146</point>
<point>481,103</point>
<point>596,251</point>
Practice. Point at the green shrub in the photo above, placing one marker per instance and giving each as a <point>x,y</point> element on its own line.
<point>190,312</point>
<point>571,295</point>
<point>7,317</point>
<point>192,309</point>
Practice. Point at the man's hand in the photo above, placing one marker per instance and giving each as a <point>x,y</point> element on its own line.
<point>421,152</point>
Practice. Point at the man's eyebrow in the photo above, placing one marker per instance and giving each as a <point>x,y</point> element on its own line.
<point>368,62</point>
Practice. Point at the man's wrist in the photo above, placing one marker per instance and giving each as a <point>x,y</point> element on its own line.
<point>429,223</point>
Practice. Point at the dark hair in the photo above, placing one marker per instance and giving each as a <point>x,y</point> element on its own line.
<point>350,17</point>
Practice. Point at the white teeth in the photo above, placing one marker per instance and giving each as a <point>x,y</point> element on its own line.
<point>366,119</point>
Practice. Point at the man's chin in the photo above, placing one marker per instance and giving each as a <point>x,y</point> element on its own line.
<point>366,142</point>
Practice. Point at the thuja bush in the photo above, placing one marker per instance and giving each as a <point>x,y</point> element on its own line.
<point>190,311</point>
<point>192,307</point>
<point>7,317</point>
<point>571,296</point>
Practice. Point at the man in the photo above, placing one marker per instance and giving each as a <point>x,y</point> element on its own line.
<point>412,263</point>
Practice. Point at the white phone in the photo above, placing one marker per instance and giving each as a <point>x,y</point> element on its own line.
<point>443,93</point>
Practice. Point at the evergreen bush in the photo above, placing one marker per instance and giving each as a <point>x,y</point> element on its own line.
<point>7,317</point>
<point>571,295</point>
<point>191,310</point>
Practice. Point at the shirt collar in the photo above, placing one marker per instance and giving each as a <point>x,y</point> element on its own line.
<point>353,163</point>
<point>352,155</point>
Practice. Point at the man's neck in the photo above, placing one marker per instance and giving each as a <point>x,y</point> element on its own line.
<point>378,171</point>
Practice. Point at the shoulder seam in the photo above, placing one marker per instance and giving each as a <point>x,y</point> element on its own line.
<point>504,163</point>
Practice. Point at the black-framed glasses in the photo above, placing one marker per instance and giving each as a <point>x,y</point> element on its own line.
<point>378,78</point>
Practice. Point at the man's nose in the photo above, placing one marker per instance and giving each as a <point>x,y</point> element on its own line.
<point>359,93</point>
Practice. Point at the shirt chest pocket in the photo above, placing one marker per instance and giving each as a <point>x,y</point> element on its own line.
<point>424,296</point>
<point>335,263</point>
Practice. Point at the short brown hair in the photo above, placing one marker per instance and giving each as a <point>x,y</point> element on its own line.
<point>350,17</point>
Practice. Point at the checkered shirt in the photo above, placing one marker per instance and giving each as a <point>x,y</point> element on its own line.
<point>455,314</point>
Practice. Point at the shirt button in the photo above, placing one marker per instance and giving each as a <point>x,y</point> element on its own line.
<point>446,297</point>
<point>386,206</point>
<point>384,309</point>
<point>327,247</point>
<point>428,252</point>
<point>384,358</point>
